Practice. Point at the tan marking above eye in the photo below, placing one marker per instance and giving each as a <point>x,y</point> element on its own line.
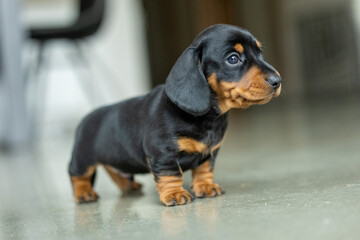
<point>121,180</point>
<point>258,44</point>
<point>239,48</point>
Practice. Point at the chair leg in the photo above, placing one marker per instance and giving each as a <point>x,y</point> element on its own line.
<point>107,75</point>
<point>86,78</point>
<point>36,85</point>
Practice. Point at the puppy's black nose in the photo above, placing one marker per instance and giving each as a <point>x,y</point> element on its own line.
<point>274,81</point>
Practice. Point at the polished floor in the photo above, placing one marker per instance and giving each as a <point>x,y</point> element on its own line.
<point>289,173</point>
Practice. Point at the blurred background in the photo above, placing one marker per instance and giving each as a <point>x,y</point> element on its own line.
<point>60,59</point>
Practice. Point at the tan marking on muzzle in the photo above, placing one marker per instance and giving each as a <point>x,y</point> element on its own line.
<point>250,89</point>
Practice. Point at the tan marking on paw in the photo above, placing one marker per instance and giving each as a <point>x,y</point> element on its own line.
<point>203,182</point>
<point>82,189</point>
<point>122,182</point>
<point>171,191</point>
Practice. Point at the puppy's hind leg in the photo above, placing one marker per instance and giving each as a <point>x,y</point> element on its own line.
<point>125,183</point>
<point>82,186</point>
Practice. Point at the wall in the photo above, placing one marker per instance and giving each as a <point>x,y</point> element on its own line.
<point>291,52</point>
<point>117,56</point>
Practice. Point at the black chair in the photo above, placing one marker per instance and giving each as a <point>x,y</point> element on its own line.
<point>91,14</point>
<point>90,17</point>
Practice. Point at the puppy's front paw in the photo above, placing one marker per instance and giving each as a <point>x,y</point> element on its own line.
<point>176,197</point>
<point>202,190</point>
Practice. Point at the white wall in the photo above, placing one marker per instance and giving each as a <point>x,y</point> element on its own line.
<point>118,56</point>
<point>13,127</point>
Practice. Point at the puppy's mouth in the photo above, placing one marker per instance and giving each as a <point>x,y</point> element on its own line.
<point>243,100</point>
<point>235,95</point>
<point>248,97</point>
<point>278,91</point>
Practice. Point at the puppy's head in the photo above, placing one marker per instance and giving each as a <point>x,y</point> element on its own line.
<point>225,62</point>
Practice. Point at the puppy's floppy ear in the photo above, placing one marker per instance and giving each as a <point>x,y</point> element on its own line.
<point>186,85</point>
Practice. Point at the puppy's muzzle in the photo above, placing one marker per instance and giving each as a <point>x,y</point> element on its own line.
<point>274,81</point>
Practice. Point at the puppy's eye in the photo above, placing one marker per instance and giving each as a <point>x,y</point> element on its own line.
<point>233,59</point>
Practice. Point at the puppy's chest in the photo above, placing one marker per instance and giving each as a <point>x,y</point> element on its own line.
<point>211,137</point>
<point>204,142</point>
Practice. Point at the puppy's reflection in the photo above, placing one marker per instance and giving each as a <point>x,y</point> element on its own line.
<point>174,220</point>
<point>87,217</point>
<point>203,213</point>
<point>207,213</point>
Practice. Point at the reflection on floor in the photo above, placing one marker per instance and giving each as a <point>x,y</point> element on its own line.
<point>289,174</point>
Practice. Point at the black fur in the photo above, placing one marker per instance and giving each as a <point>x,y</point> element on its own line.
<point>140,135</point>
<point>186,85</point>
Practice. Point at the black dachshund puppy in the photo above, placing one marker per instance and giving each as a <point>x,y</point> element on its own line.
<point>179,125</point>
